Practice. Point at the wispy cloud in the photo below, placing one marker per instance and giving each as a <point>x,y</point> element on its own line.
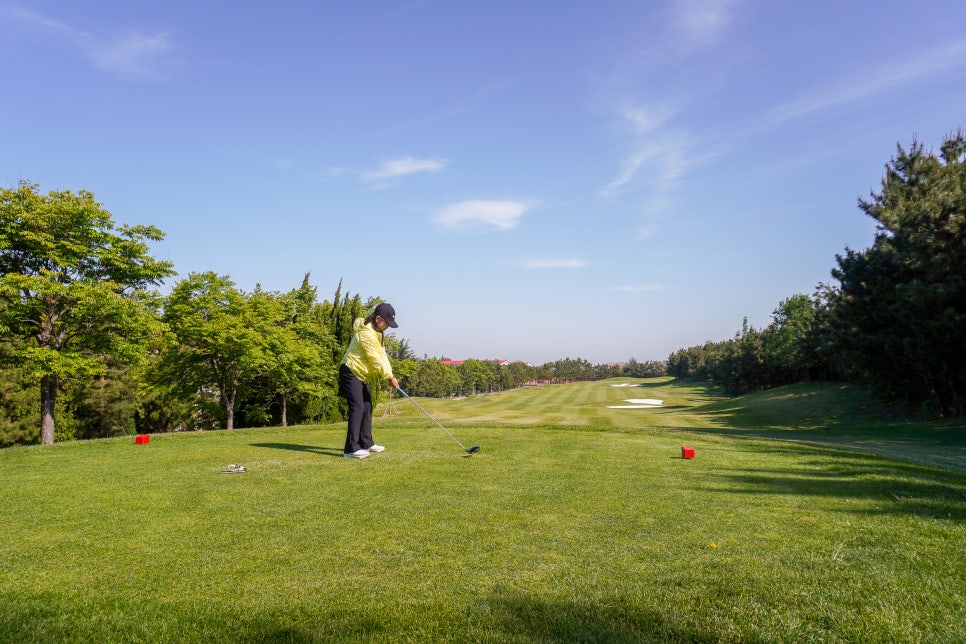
<point>128,55</point>
<point>661,163</point>
<point>502,215</point>
<point>888,77</point>
<point>543,263</point>
<point>281,164</point>
<point>395,168</point>
<point>647,118</point>
<point>662,154</point>
<point>697,24</point>
<point>631,166</point>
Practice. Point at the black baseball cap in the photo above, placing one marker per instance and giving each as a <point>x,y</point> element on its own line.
<point>387,313</point>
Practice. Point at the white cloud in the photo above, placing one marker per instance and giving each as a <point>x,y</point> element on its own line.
<point>394,168</point>
<point>503,215</point>
<point>648,118</point>
<point>631,165</point>
<point>696,24</point>
<point>665,160</point>
<point>130,55</point>
<point>554,263</point>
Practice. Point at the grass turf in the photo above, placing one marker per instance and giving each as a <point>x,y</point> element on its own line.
<point>803,517</point>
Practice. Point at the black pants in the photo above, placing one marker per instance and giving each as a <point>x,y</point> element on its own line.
<point>356,393</point>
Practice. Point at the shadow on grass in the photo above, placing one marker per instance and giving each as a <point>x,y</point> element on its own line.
<point>515,614</point>
<point>312,449</point>
<point>504,615</point>
<point>896,488</point>
<point>942,447</point>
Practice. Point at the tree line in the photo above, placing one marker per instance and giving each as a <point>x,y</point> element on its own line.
<point>84,331</point>
<point>896,320</point>
<point>432,377</point>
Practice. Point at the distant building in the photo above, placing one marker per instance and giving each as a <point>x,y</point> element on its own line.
<point>456,363</point>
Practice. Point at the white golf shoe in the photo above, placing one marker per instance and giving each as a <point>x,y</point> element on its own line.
<point>358,454</point>
<point>377,448</point>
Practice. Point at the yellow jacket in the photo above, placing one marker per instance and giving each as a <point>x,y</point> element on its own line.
<point>366,357</point>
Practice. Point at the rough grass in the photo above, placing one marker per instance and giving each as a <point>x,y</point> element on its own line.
<point>574,523</point>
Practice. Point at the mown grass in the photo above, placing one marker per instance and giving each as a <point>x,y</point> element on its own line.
<point>574,523</point>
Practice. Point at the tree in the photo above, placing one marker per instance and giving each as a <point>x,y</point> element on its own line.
<point>649,369</point>
<point>18,405</point>
<point>515,374</point>
<point>476,376</point>
<point>899,314</point>
<point>74,286</point>
<point>296,357</point>
<point>790,354</point>
<point>105,405</point>
<point>218,340</point>
<point>432,378</point>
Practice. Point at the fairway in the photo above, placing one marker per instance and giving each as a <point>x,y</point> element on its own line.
<point>803,517</point>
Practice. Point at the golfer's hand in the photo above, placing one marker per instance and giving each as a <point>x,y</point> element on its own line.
<point>394,383</point>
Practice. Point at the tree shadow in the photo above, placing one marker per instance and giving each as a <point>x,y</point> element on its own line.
<point>897,488</point>
<point>293,447</point>
<point>516,614</point>
<point>505,615</point>
<point>943,447</point>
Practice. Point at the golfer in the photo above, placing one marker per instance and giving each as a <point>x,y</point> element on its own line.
<point>364,360</point>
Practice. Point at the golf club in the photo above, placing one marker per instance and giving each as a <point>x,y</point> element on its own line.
<point>471,450</point>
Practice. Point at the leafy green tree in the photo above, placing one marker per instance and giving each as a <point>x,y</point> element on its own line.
<point>433,379</point>
<point>899,314</point>
<point>789,352</point>
<point>571,369</point>
<point>218,340</point>
<point>475,376</point>
<point>74,286</point>
<point>515,374</point>
<point>18,408</point>
<point>296,357</point>
<point>404,369</point>
<point>341,314</point>
<point>649,369</point>
<point>399,349</point>
<point>105,405</point>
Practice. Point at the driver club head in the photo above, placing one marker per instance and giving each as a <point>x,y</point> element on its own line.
<point>473,450</point>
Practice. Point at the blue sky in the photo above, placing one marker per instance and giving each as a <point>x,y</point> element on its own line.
<point>522,180</point>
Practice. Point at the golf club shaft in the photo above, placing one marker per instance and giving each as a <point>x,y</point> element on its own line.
<point>418,406</point>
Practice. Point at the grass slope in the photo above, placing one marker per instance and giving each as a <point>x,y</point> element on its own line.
<point>575,522</point>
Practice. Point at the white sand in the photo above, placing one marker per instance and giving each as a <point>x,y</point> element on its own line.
<point>639,403</point>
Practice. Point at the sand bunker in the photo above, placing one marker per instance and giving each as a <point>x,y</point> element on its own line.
<point>626,384</point>
<point>639,403</point>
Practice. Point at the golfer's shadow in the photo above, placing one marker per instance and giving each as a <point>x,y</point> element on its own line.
<point>314,449</point>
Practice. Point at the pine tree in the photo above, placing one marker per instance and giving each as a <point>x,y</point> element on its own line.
<point>900,312</point>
